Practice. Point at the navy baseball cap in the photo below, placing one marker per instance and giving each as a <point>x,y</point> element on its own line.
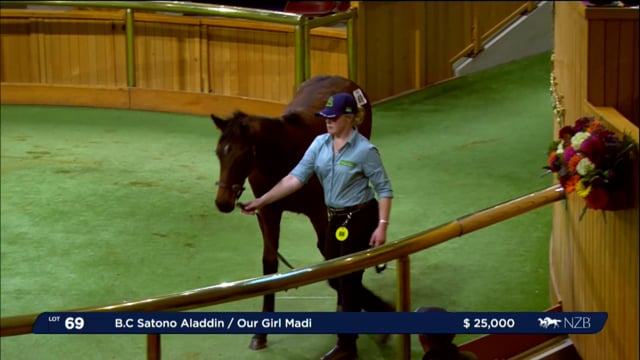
<point>338,104</point>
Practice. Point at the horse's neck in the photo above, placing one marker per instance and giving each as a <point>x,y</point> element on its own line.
<point>277,157</point>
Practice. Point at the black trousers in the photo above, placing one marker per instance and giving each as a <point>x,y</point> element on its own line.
<point>352,295</point>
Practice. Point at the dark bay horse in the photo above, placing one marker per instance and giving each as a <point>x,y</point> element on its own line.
<point>264,150</point>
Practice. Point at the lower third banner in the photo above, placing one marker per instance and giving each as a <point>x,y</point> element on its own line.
<point>320,323</point>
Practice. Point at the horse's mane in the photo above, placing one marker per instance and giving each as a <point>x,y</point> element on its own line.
<point>278,141</point>
<point>293,119</point>
<point>281,141</point>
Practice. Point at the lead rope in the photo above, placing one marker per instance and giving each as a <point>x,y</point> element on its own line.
<point>282,259</point>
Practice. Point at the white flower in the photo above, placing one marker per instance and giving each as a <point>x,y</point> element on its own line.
<point>560,148</point>
<point>578,138</point>
<point>584,166</point>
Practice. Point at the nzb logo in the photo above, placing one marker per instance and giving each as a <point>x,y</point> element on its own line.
<point>547,321</point>
<point>572,322</point>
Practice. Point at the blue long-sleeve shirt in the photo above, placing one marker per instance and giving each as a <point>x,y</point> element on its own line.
<point>351,177</point>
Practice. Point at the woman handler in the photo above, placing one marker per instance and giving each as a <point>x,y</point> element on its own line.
<point>351,173</point>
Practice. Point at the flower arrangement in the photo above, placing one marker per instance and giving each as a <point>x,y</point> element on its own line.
<point>593,162</point>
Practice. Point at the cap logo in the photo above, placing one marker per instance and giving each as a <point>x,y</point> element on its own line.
<point>329,102</point>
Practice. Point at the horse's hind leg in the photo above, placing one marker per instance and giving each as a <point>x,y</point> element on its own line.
<point>270,227</point>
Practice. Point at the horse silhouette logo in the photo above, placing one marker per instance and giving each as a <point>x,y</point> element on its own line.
<point>547,321</point>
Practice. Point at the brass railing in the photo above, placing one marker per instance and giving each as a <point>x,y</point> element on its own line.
<point>243,289</point>
<point>477,38</point>
<point>302,26</point>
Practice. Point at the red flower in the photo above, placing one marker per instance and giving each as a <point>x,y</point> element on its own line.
<point>597,198</point>
<point>593,148</point>
<point>582,124</point>
<point>566,133</point>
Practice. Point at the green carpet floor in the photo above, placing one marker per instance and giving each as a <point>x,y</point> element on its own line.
<point>102,206</point>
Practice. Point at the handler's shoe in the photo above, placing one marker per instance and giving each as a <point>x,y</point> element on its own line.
<point>341,353</point>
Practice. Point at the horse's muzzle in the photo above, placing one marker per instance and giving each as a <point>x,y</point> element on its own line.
<point>225,206</point>
<point>227,196</point>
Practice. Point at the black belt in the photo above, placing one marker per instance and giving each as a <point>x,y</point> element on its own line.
<point>350,209</point>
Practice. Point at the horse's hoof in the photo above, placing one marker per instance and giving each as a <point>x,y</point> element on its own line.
<point>258,342</point>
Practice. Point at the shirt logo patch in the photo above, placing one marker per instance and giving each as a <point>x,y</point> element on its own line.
<point>347,163</point>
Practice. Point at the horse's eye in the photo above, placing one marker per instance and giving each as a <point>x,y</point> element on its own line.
<point>226,149</point>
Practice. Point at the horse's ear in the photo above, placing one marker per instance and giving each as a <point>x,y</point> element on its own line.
<point>220,124</point>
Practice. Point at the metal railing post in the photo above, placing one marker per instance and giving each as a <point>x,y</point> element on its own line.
<point>153,346</point>
<point>475,32</point>
<point>351,48</point>
<point>131,66</point>
<point>299,54</point>
<point>306,36</point>
<point>403,304</point>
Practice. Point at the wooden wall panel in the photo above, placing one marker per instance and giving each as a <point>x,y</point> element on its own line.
<point>117,64</point>
<point>444,41</point>
<point>610,265</point>
<point>604,269</point>
<point>595,266</point>
<point>628,80</point>
<point>387,52</point>
<point>251,63</point>
<point>329,56</point>
<point>199,103</point>
<point>18,55</point>
<point>613,64</point>
<point>168,56</point>
<point>64,95</point>
<point>596,45</point>
<point>77,52</point>
<point>594,260</point>
<point>570,58</point>
<point>416,43</point>
<point>223,71</point>
<point>403,51</point>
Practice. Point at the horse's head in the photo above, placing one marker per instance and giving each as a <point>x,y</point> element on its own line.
<point>236,152</point>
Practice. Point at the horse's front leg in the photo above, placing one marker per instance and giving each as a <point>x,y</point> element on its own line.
<point>269,220</point>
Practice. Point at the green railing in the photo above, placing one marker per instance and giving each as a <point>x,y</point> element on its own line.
<point>302,26</point>
<point>268,284</point>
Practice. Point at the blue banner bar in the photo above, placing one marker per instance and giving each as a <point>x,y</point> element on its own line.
<point>320,323</point>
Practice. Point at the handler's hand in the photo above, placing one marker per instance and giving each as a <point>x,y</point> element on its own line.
<point>251,207</point>
<point>379,237</point>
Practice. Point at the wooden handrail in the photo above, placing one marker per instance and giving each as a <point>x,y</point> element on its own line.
<point>612,117</point>
<point>477,40</point>
<point>247,288</point>
<point>525,8</point>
